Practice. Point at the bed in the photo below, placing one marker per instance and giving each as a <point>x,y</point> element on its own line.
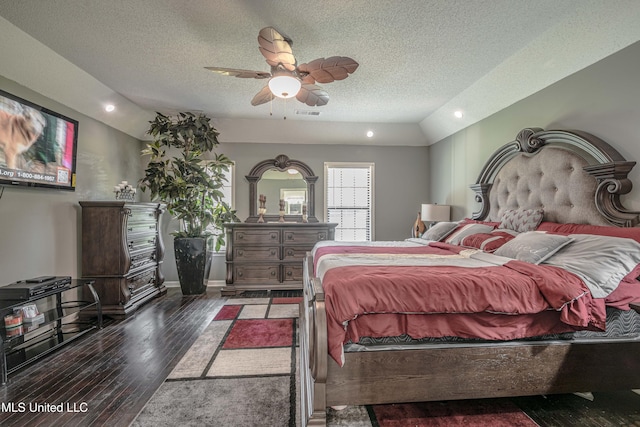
<point>560,338</point>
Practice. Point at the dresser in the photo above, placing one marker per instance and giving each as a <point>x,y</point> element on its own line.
<point>270,255</point>
<point>122,251</point>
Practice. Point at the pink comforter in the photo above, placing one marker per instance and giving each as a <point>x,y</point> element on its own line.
<point>508,301</point>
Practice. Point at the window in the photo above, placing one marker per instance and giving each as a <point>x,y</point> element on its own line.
<point>349,199</point>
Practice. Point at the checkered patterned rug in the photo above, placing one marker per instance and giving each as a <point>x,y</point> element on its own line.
<point>240,371</point>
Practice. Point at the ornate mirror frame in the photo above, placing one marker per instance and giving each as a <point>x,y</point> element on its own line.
<point>281,163</point>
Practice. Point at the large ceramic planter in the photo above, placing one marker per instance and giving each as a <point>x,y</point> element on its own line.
<point>193,260</point>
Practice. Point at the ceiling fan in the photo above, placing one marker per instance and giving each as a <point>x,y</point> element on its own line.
<point>288,79</point>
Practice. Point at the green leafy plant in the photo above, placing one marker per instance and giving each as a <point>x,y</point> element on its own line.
<point>178,175</point>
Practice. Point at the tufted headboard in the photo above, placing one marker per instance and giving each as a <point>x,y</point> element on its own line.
<point>574,176</point>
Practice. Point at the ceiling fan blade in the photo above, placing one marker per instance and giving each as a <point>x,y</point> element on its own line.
<point>312,95</point>
<point>243,74</point>
<point>328,70</point>
<point>262,97</point>
<point>276,48</point>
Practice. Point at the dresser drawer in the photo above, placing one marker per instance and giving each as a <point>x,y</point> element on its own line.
<point>141,242</point>
<point>140,282</point>
<point>269,273</point>
<point>140,258</point>
<point>256,253</point>
<point>141,227</point>
<point>295,252</point>
<point>293,273</point>
<point>141,216</point>
<point>260,236</point>
<point>306,236</point>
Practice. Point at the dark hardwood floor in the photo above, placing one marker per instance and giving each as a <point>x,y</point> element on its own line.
<point>108,376</point>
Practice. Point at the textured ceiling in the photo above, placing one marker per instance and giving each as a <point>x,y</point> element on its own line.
<point>419,59</point>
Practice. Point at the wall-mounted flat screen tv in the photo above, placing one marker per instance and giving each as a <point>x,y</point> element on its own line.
<point>37,146</point>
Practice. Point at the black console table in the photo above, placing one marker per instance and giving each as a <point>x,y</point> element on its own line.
<point>69,312</point>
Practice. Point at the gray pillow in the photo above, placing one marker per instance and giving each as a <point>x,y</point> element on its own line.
<point>601,261</point>
<point>533,246</point>
<point>521,220</point>
<point>439,231</point>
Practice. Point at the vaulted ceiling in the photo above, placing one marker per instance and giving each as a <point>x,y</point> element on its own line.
<point>420,60</point>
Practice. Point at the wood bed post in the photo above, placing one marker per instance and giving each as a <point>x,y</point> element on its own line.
<point>313,350</point>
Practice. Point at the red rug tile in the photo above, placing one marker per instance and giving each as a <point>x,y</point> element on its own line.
<point>260,333</point>
<point>290,300</point>
<point>228,312</point>
<point>469,413</point>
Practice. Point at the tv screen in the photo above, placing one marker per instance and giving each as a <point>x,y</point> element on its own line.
<point>37,146</point>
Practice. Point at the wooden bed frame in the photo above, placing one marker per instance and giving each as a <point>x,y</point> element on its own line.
<point>461,371</point>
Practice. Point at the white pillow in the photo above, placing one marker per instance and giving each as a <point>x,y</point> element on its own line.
<point>600,261</point>
<point>533,246</point>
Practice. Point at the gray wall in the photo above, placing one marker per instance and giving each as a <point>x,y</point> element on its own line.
<point>603,99</point>
<point>40,228</point>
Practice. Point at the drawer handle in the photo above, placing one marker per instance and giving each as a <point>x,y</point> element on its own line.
<point>273,251</point>
<point>289,273</point>
<point>240,252</point>
<point>290,252</point>
<point>273,236</point>
<point>321,236</point>
<point>290,236</point>
<point>273,273</point>
<point>239,273</point>
<point>240,236</point>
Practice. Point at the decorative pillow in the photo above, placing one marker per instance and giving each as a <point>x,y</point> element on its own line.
<point>521,220</point>
<point>602,262</point>
<point>533,246</point>
<point>488,242</point>
<point>466,230</point>
<point>439,231</point>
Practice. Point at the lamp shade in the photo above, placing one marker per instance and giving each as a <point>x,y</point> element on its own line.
<point>284,86</point>
<point>435,212</point>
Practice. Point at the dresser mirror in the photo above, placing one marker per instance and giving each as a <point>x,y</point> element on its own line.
<point>285,179</point>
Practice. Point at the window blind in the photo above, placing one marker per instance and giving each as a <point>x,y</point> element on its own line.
<point>349,200</point>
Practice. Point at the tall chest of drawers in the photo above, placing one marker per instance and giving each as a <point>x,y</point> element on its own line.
<point>270,255</point>
<point>122,250</point>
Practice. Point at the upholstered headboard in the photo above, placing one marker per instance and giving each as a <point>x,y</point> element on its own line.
<point>574,176</point>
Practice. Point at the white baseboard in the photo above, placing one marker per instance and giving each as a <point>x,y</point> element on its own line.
<point>211,284</point>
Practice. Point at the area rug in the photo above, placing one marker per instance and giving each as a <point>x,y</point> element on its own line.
<point>242,371</point>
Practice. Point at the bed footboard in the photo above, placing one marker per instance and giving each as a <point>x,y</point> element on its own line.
<point>313,350</point>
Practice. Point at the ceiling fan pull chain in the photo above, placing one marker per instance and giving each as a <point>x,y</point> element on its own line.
<point>285,109</point>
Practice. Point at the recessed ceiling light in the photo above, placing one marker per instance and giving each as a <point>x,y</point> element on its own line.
<point>369,134</point>
<point>109,108</point>
<point>458,114</point>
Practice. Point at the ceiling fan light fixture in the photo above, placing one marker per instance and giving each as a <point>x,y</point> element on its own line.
<point>284,86</point>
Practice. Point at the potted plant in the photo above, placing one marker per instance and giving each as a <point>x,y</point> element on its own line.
<point>179,175</point>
